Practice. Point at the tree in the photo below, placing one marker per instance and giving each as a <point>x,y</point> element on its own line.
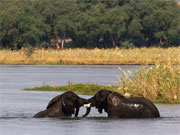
<point>20,25</point>
<point>89,23</point>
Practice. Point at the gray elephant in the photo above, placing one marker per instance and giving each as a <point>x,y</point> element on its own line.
<point>63,105</point>
<point>117,106</point>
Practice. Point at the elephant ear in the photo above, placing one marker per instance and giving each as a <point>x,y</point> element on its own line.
<point>67,105</point>
<point>64,102</point>
<point>67,102</point>
<point>113,100</point>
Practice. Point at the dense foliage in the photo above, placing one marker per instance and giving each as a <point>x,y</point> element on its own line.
<point>89,23</point>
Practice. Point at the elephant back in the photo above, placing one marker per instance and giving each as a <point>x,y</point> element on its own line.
<point>147,103</point>
<point>53,101</point>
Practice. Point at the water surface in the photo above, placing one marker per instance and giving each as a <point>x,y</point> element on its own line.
<point>17,106</point>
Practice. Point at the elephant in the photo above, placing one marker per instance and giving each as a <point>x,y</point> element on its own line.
<point>63,105</point>
<point>118,106</point>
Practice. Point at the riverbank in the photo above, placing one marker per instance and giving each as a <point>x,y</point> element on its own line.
<point>140,56</point>
<point>91,89</point>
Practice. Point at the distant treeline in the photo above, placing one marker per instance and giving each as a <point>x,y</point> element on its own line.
<point>89,23</point>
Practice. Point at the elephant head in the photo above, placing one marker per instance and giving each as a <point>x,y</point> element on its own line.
<point>65,104</point>
<point>99,101</point>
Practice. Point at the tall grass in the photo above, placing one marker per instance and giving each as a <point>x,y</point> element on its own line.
<point>160,83</point>
<point>93,56</point>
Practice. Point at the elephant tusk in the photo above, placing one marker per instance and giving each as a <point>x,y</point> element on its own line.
<point>87,105</point>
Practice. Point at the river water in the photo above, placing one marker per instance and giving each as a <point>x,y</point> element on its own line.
<point>17,106</point>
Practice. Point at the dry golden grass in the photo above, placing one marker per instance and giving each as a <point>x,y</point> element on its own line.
<point>93,56</point>
<point>160,83</point>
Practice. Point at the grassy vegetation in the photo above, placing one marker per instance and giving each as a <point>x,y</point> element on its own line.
<point>94,56</point>
<point>159,83</point>
<point>84,89</point>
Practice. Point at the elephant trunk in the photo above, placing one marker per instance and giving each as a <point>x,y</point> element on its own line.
<point>91,103</point>
<point>87,111</point>
<point>77,112</point>
<point>82,102</point>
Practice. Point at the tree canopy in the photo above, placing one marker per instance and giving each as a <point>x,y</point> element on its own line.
<point>89,23</point>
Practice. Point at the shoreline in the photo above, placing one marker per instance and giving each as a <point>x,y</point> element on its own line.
<point>116,56</point>
<point>91,89</point>
<point>78,64</point>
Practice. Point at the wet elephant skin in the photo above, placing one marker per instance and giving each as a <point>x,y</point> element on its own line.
<point>118,106</point>
<point>63,105</point>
